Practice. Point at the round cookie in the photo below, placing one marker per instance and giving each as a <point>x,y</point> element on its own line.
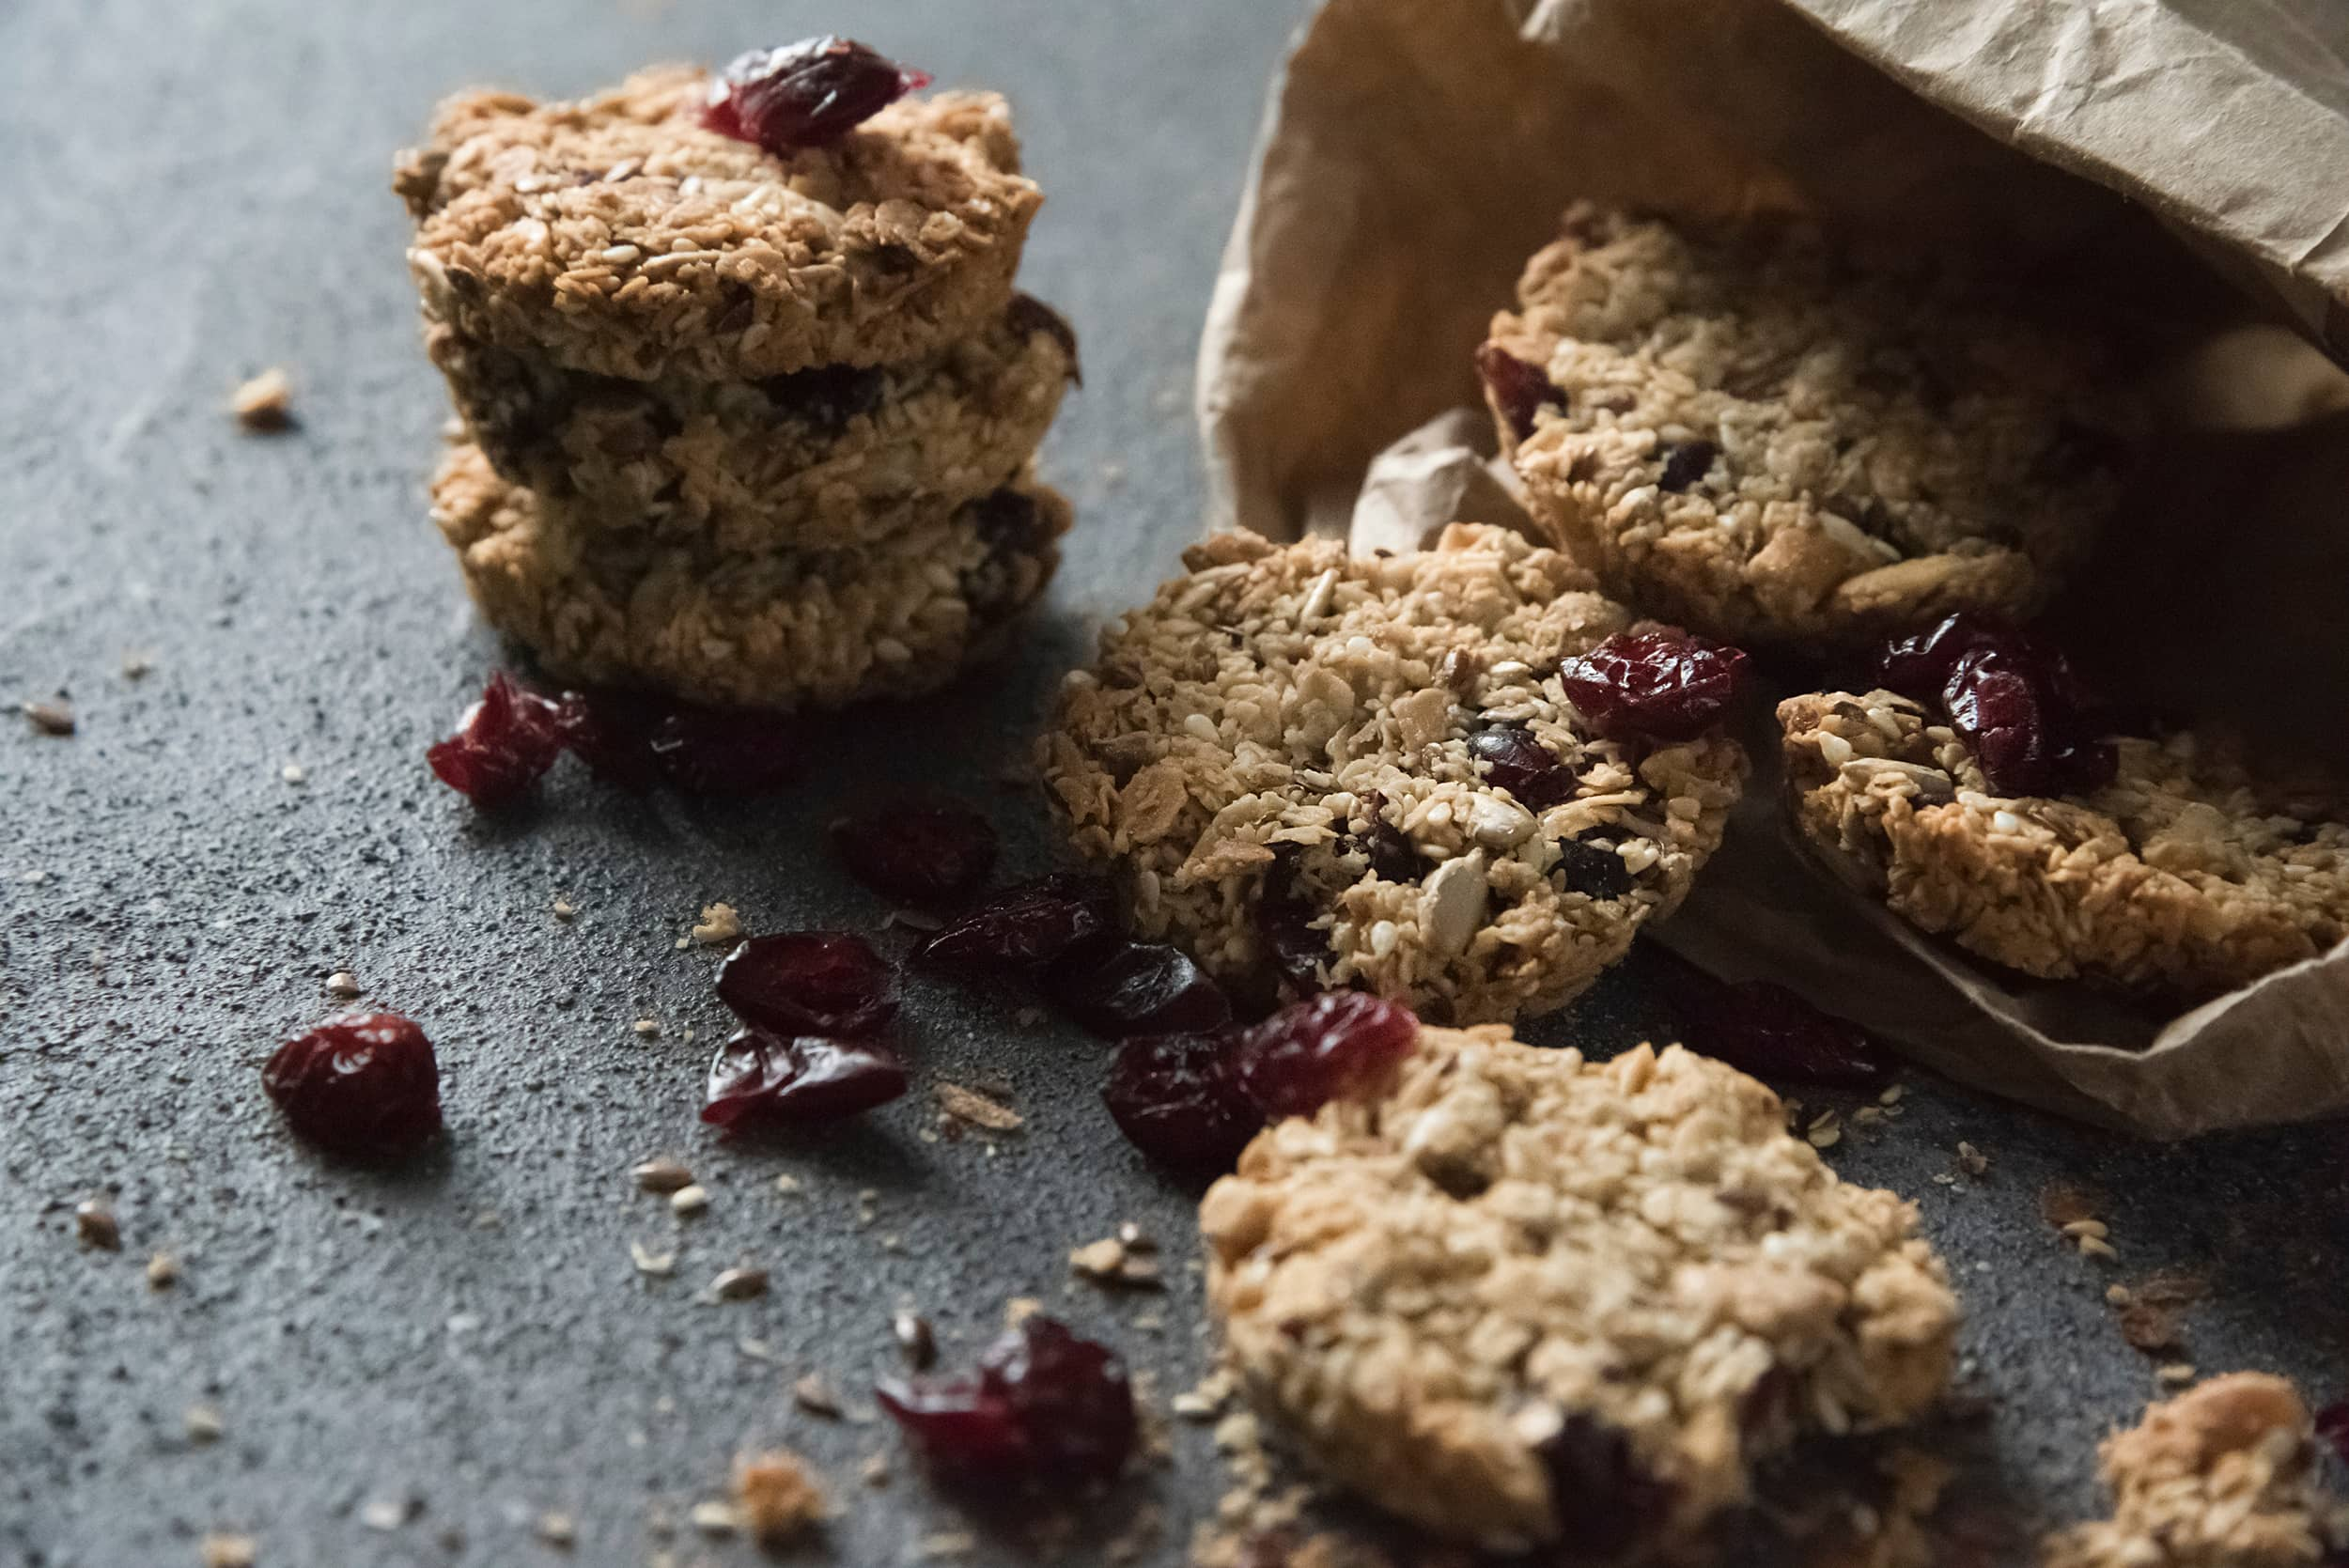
<point>614,235</point>
<point>1526,1298</point>
<point>1746,432</point>
<point>1274,756</point>
<point>778,628</point>
<point>826,457</point>
<point>2187,873</point>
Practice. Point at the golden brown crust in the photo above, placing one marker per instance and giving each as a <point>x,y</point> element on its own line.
<point>1520,1253</point>
<point>614,235</point>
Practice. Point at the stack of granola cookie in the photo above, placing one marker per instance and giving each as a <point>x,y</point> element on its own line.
<point>750,401</point>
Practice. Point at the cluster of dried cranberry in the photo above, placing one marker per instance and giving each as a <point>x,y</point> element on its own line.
<point>2013,697</point>
<point>804,95</point>
<point>509,739</point>
<point>1660,684</point>
<point>365,1086</point>
<point>1043,1410</point>
<point>810,1002</point>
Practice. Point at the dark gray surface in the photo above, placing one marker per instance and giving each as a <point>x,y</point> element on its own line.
<point>197,190</point>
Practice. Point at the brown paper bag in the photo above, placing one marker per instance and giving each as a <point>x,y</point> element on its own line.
<point>2184,161</point>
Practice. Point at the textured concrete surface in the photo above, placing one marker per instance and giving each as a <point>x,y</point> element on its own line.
<point>196,191</point>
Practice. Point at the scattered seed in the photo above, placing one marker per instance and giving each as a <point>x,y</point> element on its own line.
<point>556,1529</point>
<point>977,1109</point>
<point>2175,1373</point>
<point>658,1264</point>
<point>563,907</point>
<point>648,1029</point>
<point>718,926</point>
<point>738,1284</point>
<point>264,403</point>
<point>2118,1295</point>
<point>661,1174</point>
<point>224,1550</point>
<point>1972,1161</point>
<point>383,1513</point>
<point>788,1184</point>
<point>875,1470</point>
<point>1892,1095</point>
<point>2094,1247</point>
<point>712,1518</point>
<point>1135,1238</point>
<point>204,1423</point>
<point>163,1271</point>
<point>344,985</point>
<point>2087,1227</point>
<point>813,1395</point>
<point>690,1198</point>
<point>915,1337</point>
<point>95,1224</point>
<point>1019,1309</point>
<point>49,718</point>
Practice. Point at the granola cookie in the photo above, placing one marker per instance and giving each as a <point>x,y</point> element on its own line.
<point>2222,1476</point>
<point>614,235</point>
<point>1274,756</point>
<point>1751,434</point>
<point>777,628</point>
<point>820,459</point>
<point>1527,1296</point>
<point>2186,874</point>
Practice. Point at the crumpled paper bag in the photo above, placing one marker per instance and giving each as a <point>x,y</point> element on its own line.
<point>2186,160</point>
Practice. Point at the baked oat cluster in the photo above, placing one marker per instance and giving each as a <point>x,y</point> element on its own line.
<point>2222,1476</point>
<point>1528,1297</point>
<point>2187,873</point>
<point>1748,432</point>
<point>747,424</point>
<point>1297,761</point>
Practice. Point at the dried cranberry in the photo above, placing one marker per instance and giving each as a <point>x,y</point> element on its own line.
<point>1177,1098</point>
<point>1030,314</point>
<point>1044,1409</point>
<point>761,1078</point>
<point>1334,1046</point>
<point>923,855</point>
<point>1764,1029</point>
<point>1284,923</point>
<point>805,94</point>
<point>1008,521</point>
<point>1661,684</point>
<point>1919,666</point>
<point>612,733</point>
<point>365,1086</point>
<point>809,983</point>
<point>1516,762</point>
<point>1602,1498</point>
<point>827,396</point>
<point>1520,390</point>
<point>708,750</point>
<point>2332,1425</point>
<point>502,745</point>
<point>1685,463</point>
<point>1392,856</point>
<point>1119,988</point>
<point>2013,698</point>
<point>1027,925</point>
<point>1592,869</point>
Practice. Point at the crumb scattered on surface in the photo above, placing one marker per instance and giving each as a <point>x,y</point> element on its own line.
<point>691,1199</point>
<point>658,1264</point>
<point>228,1549</point>
<point>777,1496</point>
<point>661,1174</point>
<point>971,1107</point>
<point>1110,1262</point>
<point>204,1423</point>
<point>49,718</point>
<point>915,1339</point>
<point>163,1271</point>
<point>564,909</point>
<point>738,1284</point>
<point>556,1529</point>
<point>718,925</point>
<point>814,1394</point>
<point>1972,1162</point>
<point>713,1518</point>
<point>95,1224</point>
<point>264,403</point>
<point>647,1029</point>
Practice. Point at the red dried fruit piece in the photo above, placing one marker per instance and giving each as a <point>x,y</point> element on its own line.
<point>1592,868</point>
<point>1335,1045</point>
<point>1177,1098</point>
<point>502,745</point>
<point>827,396</point>
<point>825,983</point>
<point>1520,390</point>
<point>1514,761</point>
<point>925,856</point>
<point>708,750</point>
<point>364,1085</point>
<point>805,94</point>
<point>1686,463</point>
<point>1661,684</point>
<point>1045,1409</point>
<point>612,733</point>
<point>1761,1027</point>
<point>1027,925</point>
<point>1603,1498</point>
<point>759,1077</point>
<point>2332,1425</point>
<point>1119,989</point>
<point>1031,315</point>
<point>2013,698</point>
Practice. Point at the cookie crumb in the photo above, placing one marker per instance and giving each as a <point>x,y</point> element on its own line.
<point>204,1423</point>
<point>137,666</point>
<point>163,1271</point>
<point>777,1496</point>
<point>1019,1309</point>
<point>718,925</point>
<point>738,1284</point>
<point>49,718</point>
<point>556,1529</point>
<point>661,1174</point>
<point>1972,1161</point>
<point>293,773</point>
<point>563,907</point>
<point>226,1550</point>
<point>264,403</point>
<point>788,1184</point>
<point>344,985</point>
<point>971,1107</point>
<point>713,1518</point>
<point>915,1339</point>
<point>1110,1262</point>
<point>813,1393</point>
<point>95,1224</point>
<point>658,1264</point>
<point>646,1028</point>
<point>874,1472</point>
<point>691,1199</point>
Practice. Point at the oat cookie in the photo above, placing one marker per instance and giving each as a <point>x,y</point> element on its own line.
<point>1279,745</point>
<point>2186,874</point>
<point>776,628</point>
<point>821,458</point>
<point>1528,1297</point>
<point>613,235</point>
<point>2221,1477</point>
<point>1751,434</point>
